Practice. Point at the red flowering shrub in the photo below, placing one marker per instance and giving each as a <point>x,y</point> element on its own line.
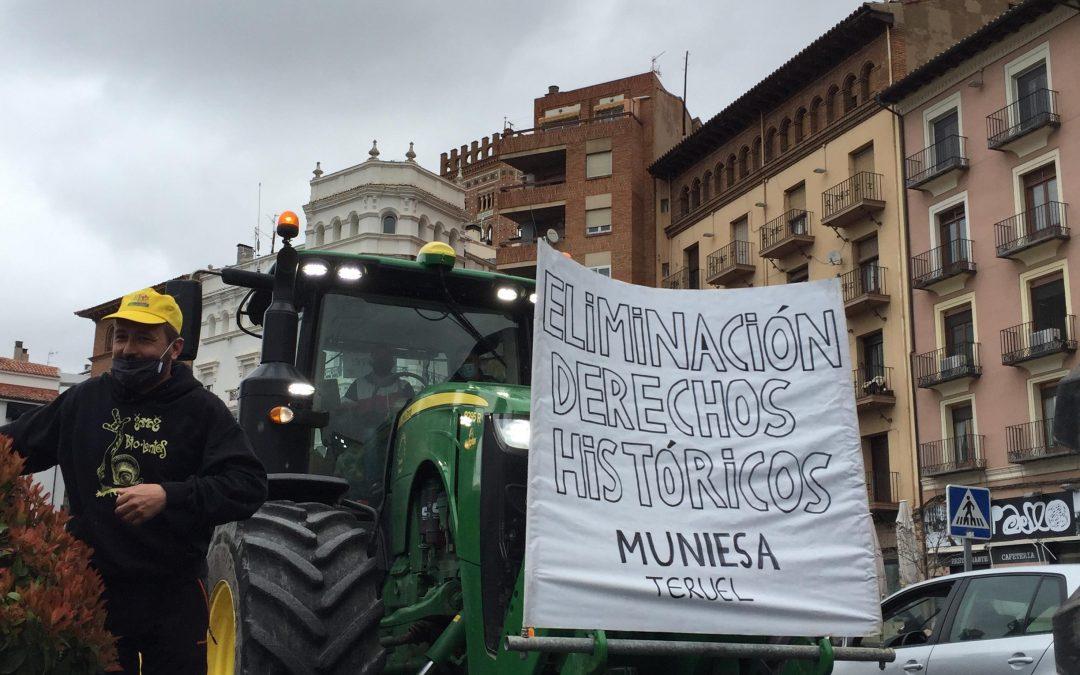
<point>52,617</point>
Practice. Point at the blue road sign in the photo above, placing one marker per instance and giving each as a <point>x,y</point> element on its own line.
<point>969,512</point>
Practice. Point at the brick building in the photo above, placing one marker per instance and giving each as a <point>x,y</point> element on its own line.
<point>992,147</point>
<point>798,179</point>
<point>477,170</point>
<point>580,177</point>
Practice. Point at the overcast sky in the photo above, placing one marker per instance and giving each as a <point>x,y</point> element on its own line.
<point>133,135</point>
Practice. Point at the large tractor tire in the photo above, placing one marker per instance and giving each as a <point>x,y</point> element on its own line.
<point>293,590</point>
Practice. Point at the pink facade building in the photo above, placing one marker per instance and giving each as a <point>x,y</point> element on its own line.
<point>991,139</point>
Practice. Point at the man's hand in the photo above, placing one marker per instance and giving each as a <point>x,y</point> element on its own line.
<point>138,504</point>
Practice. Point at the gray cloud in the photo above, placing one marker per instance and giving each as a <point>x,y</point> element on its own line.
<point>133,135</point>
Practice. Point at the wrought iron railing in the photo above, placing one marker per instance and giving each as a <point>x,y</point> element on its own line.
<point>883,486</point>
<point>533,184</point>
<point>1046,221</point>
<point>947,260</point>
<point>727,257</point>
<point>1032,440</point>
<point>1033,111</point>
<point>1032,339</point>
<point>960,453</point>
<point>948,363</point>
<point>945,154</point>
<point>872,380</point>
<point>681,279</point>
<point>864,280</point>
<point>795,222</point>
<point>863,185</point>
<point>571,122</point>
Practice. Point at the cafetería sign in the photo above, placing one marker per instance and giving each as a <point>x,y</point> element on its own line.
<point>694,462</point>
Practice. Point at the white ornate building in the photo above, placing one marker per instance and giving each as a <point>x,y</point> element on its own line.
<point>379,207</point>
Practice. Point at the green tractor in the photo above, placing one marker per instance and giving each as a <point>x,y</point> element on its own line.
<point>391,410</point>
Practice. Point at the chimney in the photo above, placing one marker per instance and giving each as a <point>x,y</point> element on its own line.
<point>21,353</point>
<point>553,89</point>
<point>244,253</point>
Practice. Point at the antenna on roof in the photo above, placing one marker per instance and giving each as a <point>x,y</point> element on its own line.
<point>258,215</point>
<point>686,69</point>
<point>655,68</point>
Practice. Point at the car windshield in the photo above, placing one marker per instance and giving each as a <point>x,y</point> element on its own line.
<point>376,353</point>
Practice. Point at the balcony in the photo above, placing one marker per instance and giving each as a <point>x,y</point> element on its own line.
<point>681,280</point>
<point>951,455</point>
<point>932,270</point>
<point>1025,124</point>
<point>853,200</point>
<point>873,387</point>
<point>730,263</point>
<point>883,489</point>
<point>1028,341</point>
<point>864,289</point>
<point>936,169</point>
<point>1033,441</point>
<point>960,361</point>
<point>1027,230</point>
<point>790,232</point>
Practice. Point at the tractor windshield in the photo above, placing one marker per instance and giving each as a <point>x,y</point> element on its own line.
<point>376,353</point>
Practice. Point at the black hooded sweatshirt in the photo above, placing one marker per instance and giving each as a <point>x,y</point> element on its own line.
<point>178,435</point>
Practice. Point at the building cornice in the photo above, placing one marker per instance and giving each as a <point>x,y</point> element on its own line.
<point>384,189</point>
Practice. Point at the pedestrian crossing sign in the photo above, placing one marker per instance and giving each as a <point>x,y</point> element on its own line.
<point>969,512</point>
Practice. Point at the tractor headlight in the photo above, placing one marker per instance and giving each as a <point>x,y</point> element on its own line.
<point>512,432</point>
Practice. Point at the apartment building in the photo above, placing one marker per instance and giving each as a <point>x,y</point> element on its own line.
<point>476,169</point>
<point>582,177</point>
<point>992,146</point>
<point>797,179</point>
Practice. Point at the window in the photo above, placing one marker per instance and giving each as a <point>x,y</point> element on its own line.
<point>665,205</point>
<point>598,220</point>
<point>730,170</point>
<point>815,115</point>
<point>866,257</point>
<point>389,224</point>
<point>602,270</point>
<point>959,331</point>
<point>1048,399</point>
<point>1001,606</point>
<point>598,158</point>
<point>665,270</point>
<point>800,124</point>
<point>740,229</point>
<point>1048,311</point>
<point>945,138</point>
<point>757,153</point>
<point>785,135</point>
<point>862,160</point>
<point>962,431</point>
<point>864,82</point>
<point>952,236</point>
<point>850,102</point>
<point>880,482</point>
<point>1041,198</point>
<point>1032,95</point>
<point>706,186</point>
<point>830,104</point>
<point>695,194</point>
<point>717,176</point>
<point>799,274</point>
<point>795,197</point>
<point>744,162</point>
<point>912,618</point>
<point>684,201</point>
<point>770,144</point>
<point>872,351</point>
<point>691,260</point>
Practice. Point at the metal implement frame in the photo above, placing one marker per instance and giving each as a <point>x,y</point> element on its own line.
<point>625,646</point>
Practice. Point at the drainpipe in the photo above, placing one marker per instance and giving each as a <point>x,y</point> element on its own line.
<point>898,125</point>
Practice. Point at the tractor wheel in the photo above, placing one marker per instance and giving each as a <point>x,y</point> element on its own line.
<point>293,590</point>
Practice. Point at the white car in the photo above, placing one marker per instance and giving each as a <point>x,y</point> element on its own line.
<point>983,623</point>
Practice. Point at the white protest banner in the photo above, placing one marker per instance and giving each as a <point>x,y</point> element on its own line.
<point>694,462</point>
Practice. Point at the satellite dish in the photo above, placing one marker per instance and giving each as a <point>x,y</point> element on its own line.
<point>834,258</point>
<point>552,236</point>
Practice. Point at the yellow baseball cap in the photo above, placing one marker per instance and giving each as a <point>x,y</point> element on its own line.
<point>149,306</point>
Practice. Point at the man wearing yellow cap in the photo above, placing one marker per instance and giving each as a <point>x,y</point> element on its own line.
<point>153,462</point>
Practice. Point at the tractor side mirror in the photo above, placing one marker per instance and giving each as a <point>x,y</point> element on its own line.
<point>188,294</point>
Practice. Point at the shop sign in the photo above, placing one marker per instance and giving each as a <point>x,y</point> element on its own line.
<point>1037,517</point>
<point>1016,554</point>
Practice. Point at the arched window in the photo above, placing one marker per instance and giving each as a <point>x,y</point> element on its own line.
<point>695,194</point>
<point>211,326</point>
<point>389,224</point>
<point>354,224</point>
<point>731,170</point>
<point>744,162</point>
<point>684,201</point>
<point>849,99</point>
<point>757,153</point>
<point>319,234</point>
<point>225,322</point>
<point>830,104</point>
<point>718,178</point>
<point>706,187</point>
<point>785,135</point>
<point>815,115</point>
<point>800,125</point>
<point>770,144</point>
<point>864,82</point>
<point>336,231</point>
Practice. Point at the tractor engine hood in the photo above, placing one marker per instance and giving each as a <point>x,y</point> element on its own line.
<point>485,397</point>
